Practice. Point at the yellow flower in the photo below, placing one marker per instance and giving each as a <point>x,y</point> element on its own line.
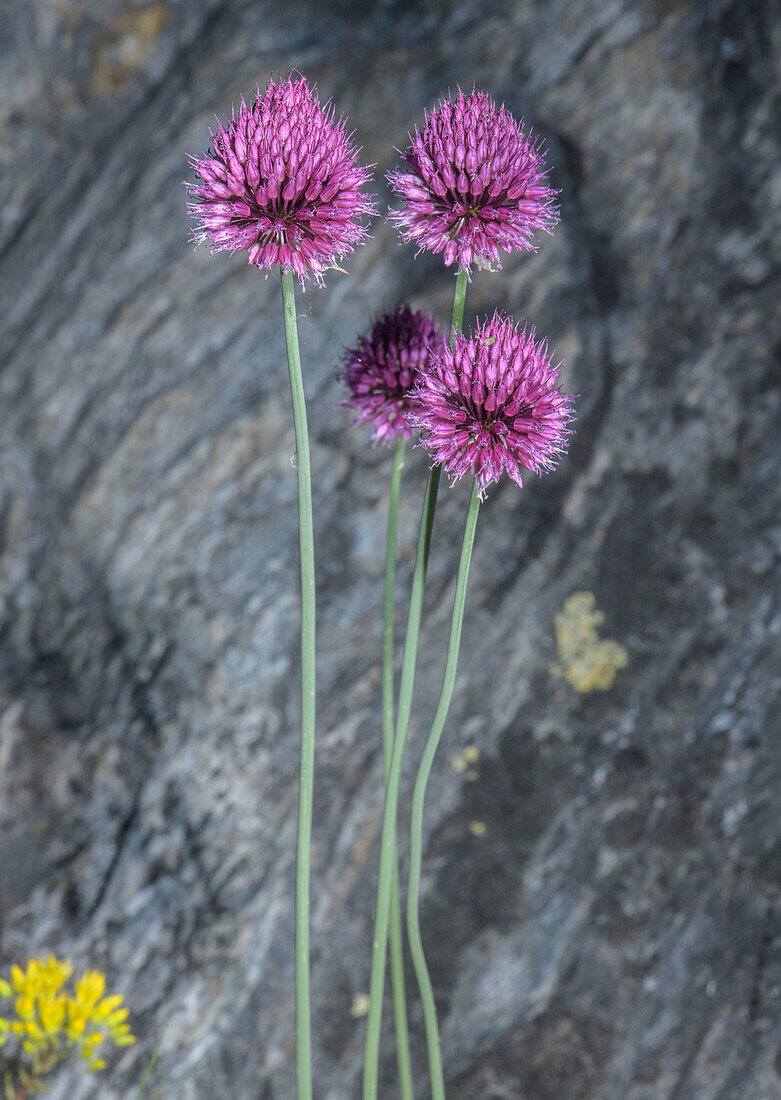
<point>25,1008</point>
<point>52,1013</point>
<point>42,977</point>
<point>585,661</point>
<point>74,1028</point>
<point>51,1020</point>
<point>94,1039</point>
<point>107,1006</point>
<point>90,988</point>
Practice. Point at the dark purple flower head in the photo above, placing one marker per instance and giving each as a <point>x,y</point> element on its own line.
<point>384,368</point>
<point>282,180</point>
<point>493,404</point>
<point>474,184</point>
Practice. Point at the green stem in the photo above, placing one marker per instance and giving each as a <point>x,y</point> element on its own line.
<point>31,1083</point>
<point>390,574</point>
<point>396,936</point>
<point>462,282</point>
<point>393,780</point>
<point>306,781</point>
<point>32,1086</point>
<point>151,1066</point>
<point>388,840</point>
<point>418,798</point>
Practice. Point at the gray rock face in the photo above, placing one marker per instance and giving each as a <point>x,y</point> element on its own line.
<point>616,933</point>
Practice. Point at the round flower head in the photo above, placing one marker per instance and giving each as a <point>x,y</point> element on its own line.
<point>474,184</point>
<point>493,404</point>
<point>384,368</point>
<point>282,181</point>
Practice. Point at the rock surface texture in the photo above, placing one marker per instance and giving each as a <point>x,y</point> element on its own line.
<point>615,933</point>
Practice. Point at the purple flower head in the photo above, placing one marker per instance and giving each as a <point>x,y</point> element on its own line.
<point>493,405</point>
<point>282,180</point>
<point>383,370</point>
<point>474,184</point>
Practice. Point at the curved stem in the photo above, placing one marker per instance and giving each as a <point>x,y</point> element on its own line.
<point>396,936</point>
<point>393,780</point>
<point>388,840</point>
<point>306,781</point>
<point>418,798</point>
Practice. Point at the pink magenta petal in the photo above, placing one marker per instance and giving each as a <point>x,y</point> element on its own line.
<point>492,405</point>
<point>382,371</point>
<point>476,185</point>
<point>286,169</point>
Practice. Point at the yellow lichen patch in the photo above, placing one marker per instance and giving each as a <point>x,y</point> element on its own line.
<point>585,661</point>
<point>478,828</point>
<point>360,1006</point>
<point>125,46</point>
<point>460,761</point>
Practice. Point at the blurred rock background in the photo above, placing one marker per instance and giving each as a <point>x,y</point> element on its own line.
<point>613,930</point>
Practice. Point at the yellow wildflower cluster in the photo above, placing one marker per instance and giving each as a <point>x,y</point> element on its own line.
<point>585,661</point>
<point>51,1021</point>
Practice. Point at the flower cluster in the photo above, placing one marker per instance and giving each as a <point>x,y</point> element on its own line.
<point>474,185</point>
<point>383,369</point>
<point>282,181</point>
<point>52,1021</point>
<point>492,405</point>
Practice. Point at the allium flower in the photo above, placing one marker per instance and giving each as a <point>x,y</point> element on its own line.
<point>282,180</point>
<point>382,371</point>
<point>474,184</point>
<point>493,404</point>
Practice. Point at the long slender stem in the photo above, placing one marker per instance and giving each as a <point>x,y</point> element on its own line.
<point>388,840</point>
<point>418,798</point>
<point>390,575</point>
<point>393,781</point>
<point>306,781</point>
<point>396,936</point>
<point>151,1066</point>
